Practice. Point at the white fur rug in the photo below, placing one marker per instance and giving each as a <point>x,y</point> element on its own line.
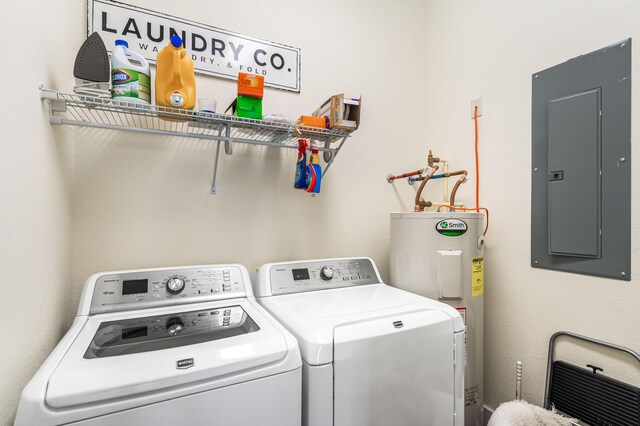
<point>521,413</point>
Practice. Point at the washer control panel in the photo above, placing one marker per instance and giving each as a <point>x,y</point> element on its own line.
<point>135,335</point>
<point>321,275</point>
<point>132,290</point>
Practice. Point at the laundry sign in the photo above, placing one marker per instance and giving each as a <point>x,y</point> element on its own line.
<point>214,51</point>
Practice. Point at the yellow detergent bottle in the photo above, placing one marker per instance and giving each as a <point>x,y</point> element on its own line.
<point>175,79</point>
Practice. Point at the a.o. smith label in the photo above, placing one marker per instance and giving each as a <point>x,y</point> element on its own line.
<point>451,227</point>
<point>214,51</point>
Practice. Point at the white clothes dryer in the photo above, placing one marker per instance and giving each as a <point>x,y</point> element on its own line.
<point>373,355</point>
<point>165,347</point>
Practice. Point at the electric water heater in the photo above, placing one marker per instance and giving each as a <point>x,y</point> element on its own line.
<point>440,256</point>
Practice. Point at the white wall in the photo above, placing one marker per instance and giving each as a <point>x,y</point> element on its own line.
<point>35,189</point>
<point>490,48</point>
<point>143,201</point>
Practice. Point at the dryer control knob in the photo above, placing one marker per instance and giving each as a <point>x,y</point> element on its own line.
<point>175,285</point>
<point>326,273</point>
<point>174,326</point>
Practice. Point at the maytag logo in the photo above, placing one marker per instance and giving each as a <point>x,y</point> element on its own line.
<point>451,227</point>
<point>183,364</point>
<point>398,324</point>
<point>120,77</point>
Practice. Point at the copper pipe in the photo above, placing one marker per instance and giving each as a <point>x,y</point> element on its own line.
<point>420,205</point>
<point>391,178</point>
<point>463,179</point>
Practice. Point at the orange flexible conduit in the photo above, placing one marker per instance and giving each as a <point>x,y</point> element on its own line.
<point>477,208</point>
<point>475,122</point>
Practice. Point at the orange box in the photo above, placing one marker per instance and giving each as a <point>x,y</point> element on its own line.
<point>307,120</point>
<point>250,85</point>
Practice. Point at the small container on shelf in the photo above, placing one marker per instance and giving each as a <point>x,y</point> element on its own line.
<point>249,107</point>
<point>250,85</point>
<point>309,121</point>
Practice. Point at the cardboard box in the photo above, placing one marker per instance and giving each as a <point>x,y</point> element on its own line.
<point>342,113</point>
<point>249,107</point>
<point>250,85</point>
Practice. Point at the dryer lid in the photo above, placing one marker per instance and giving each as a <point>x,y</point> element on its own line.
<point>312,317</point>
<point>117,357</point>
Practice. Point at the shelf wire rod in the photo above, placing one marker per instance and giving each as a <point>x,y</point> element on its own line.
<point>118,117</point>
<point>139,118</point>
<point>85,114</point>
<point>101,116</point>
<point>73,113</point>
<point>131,119</point>
<point>155,121</point>
<point>263,135</point>
<point>215,167</point>
<point>198,130</point>
<point>92,116</point>
<point>77,113</point>
<point>228,143</point>
<point>126,119</point>
<point>205,129</point>
<point>106,115</point>
<point>114,117</point>
<point>146,121</point>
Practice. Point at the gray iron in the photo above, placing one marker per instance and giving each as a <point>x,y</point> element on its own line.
<point>92,61</point>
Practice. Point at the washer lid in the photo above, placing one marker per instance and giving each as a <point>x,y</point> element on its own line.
<point>312,317</point>
<point>115,356</point>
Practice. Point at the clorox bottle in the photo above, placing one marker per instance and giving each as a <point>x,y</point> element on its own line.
<point>175,78</point>
<point>130,75</point>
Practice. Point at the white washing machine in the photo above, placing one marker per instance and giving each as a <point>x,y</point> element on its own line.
<point>372,354</point>
<point>165,347</point>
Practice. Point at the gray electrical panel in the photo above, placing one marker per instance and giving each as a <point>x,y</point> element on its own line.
<point>581,168</point>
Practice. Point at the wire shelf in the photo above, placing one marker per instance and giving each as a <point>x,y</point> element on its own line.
<point>102,112</point>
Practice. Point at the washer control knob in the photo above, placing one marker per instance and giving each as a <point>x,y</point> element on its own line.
<point>175,285</point>
<point>326,273</point>
<point>175,326</point>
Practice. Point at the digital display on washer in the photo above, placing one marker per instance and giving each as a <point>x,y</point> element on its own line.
<point>300,274</point>
<point>135,286</point>
<point>132,333</point>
